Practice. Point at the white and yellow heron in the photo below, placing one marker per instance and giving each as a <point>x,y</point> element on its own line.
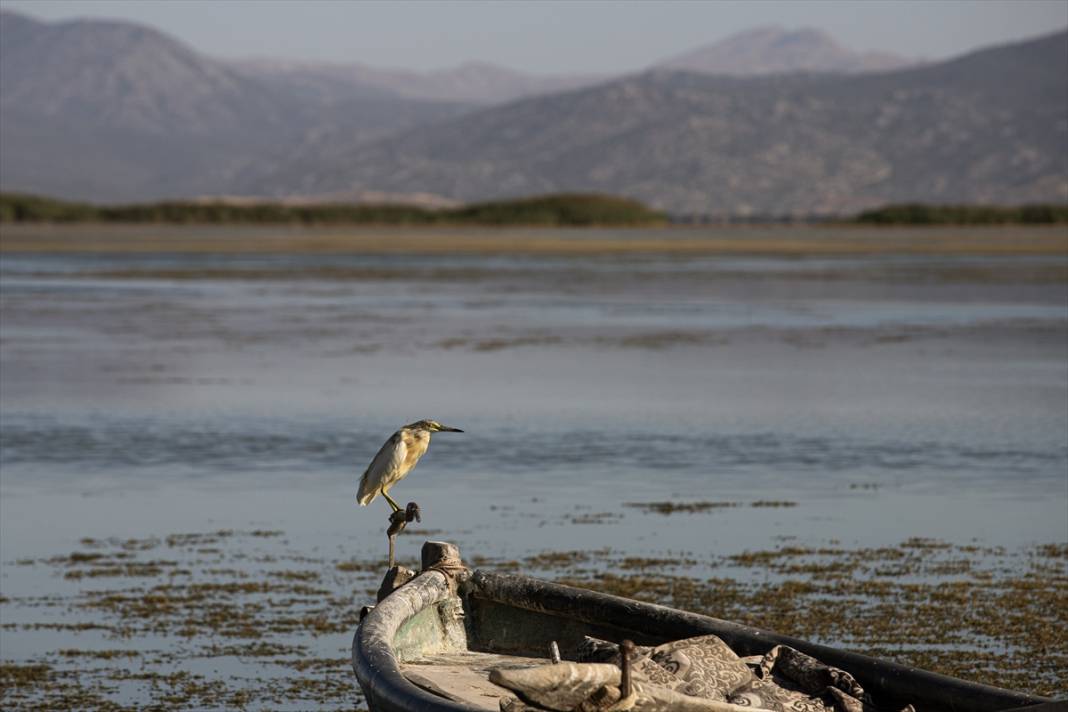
<point>396,459</point>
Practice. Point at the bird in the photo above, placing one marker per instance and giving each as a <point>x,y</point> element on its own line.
<point>396,459</point>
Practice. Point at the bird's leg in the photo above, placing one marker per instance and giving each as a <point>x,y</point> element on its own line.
<point>394,505</point>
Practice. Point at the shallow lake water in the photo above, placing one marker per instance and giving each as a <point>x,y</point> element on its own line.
<point>873,399</point>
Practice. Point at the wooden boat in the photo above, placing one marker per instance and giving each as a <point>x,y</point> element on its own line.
<point>428,645</point>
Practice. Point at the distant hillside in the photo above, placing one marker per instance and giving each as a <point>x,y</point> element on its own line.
<point>112,110</point>
<point>773,50</point>
<point>989,127</point>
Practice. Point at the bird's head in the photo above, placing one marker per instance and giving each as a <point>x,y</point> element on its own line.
<point>432,426</point>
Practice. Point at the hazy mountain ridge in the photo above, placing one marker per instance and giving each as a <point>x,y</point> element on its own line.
<point>123,76</point>
<point>471,83</point>
<point>117,112</point>
<point>762,50</point>
<point>774,50</point>
<point>988,127</point>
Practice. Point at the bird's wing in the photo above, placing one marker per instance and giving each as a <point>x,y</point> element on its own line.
<point>385,466</point>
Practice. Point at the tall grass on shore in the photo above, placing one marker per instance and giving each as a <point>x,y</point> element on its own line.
<point>545,211</point>
<point>560,210</point>
<point>922,214</point>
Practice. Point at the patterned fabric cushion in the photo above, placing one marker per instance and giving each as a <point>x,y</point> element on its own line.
<point>707,666</point>
<point>790,681</point>
<point>763,694</point>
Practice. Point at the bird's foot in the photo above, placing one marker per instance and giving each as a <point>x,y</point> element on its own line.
<point>397,522</point>
<point>400,518</point>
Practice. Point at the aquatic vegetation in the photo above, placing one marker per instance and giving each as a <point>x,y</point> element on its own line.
<point>275,623</point>
<point>15,675</point>
<point>593,518</point>
<point>679,507</point>
<point>962,611</point>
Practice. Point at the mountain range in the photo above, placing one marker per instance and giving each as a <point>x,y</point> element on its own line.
<point>770,122</point>
<point>775,50</point>
<point>113,111</point>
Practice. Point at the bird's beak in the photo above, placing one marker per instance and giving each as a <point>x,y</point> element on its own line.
<point>446,429</point>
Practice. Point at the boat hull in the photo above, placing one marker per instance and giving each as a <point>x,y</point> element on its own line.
<point>520,615</point>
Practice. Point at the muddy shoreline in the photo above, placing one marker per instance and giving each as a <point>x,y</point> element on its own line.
<point>734,240</point>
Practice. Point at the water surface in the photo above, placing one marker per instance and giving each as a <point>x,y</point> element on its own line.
<point>883,397</point>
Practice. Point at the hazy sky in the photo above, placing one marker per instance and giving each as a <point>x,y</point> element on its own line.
<point>568,37</point>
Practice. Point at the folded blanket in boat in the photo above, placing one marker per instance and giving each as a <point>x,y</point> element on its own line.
<point>700,673</point>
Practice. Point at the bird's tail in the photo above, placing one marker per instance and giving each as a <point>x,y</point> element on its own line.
<point>365,495</point>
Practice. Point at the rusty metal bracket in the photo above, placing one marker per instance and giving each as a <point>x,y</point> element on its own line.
<point>626,650</point>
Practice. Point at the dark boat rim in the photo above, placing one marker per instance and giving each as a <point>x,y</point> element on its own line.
<point>387,690</point>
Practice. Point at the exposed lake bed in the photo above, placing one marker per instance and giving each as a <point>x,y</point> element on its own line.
<point>908,412</point>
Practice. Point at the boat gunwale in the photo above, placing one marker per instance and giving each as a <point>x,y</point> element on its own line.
<point>374,662</point>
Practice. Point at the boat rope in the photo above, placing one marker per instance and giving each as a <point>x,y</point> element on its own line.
<point>450,565</point>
